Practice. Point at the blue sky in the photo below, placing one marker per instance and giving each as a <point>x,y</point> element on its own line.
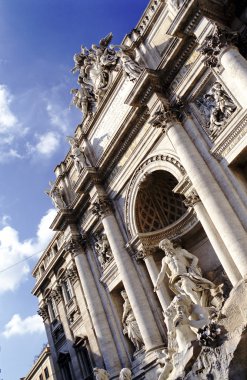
<point>38,39</point>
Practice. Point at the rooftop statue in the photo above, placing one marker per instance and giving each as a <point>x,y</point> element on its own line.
<point>78,154</point>
<point>131,68</point>
<point>56,195</point>
<point>95,67</point>
<point>83,98</point>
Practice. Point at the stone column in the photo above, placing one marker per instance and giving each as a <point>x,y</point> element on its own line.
<point>163,292</point>
<point>220,249</point>
<point>96,310</point>
<point>129,276</point>
<point>222,215</point>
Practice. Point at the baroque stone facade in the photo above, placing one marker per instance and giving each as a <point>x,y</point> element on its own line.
<point>144,275</point>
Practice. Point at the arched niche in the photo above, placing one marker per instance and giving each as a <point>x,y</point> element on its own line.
<point>151,205</point>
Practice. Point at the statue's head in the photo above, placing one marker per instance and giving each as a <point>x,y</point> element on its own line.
<point>124,294</point>
<point>165,244</point>
<point>125,374</point>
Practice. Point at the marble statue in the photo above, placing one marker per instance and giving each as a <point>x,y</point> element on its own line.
<point>103,250</point>
<point>83,99</point>
<point>183,319</point>
<point>176,3</point>
<point>132,69</point>
<point>57,196</point>
<point>125,374</point>
<point>101,374</point>
<point>95,66</point>
<point>185,276</point>
<point>130,326</point>
<point>78,154</point>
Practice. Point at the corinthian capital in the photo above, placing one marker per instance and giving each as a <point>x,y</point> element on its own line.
<point>75,244</point>
<point>102,207</point>
<point>191,199</point>
<point>43,312</point>
<point>213,44</point>
<point>166,115</point>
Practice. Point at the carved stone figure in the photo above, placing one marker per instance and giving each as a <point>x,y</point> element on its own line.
<point>223,108</point>
<point>78,154</point>
<point>83,99</point>
<point>95,65</point>
<point>57,196</point>
<point>129,323</point>
<point>176,3</point>
<point>103,250</point>
<point>125,374</point>
<point>101,374</point>
<point>95,68</point>
<point>185,276</point>
<point>132,69</point>
<point>183,319</point>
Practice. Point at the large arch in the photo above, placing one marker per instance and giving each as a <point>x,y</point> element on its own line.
<point>163,163</point>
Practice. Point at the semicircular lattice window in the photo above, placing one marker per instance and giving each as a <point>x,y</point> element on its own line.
<point>156,205</point>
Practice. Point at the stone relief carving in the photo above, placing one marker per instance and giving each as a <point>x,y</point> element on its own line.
<point>103,250</point>
<point>216,106</point>
<point>101,374</point>
<point>57,196</point>
<point>125,374</point>
<point>130,326</point>
<point>79,155</point>
<point>95,66</point>
<point>190,317</point>
<point>215,42</point>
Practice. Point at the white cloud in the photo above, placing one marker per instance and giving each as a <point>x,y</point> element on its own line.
<point>4,220</point>
<point>58,116</point>
<point>18,326</point>
<point>46,145</point>
<point>7,119</point>
<point>13,251</point>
